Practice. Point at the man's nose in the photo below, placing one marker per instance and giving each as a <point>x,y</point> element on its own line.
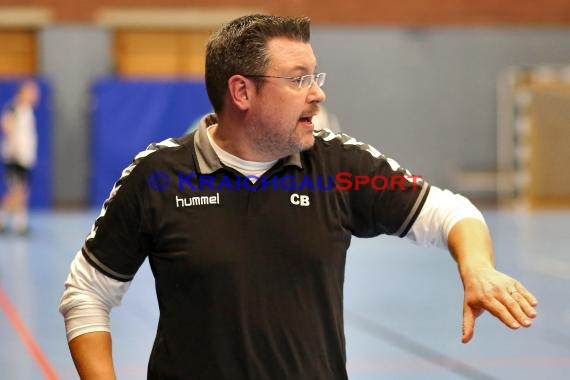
<point>316,94</point>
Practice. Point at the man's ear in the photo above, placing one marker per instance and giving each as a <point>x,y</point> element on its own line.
<point>240,91</point>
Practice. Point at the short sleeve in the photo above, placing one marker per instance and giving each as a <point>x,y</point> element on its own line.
<point>119,242</point>
<point>388,198</point>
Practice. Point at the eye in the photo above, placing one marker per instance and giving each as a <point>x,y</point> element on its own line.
<point>299,81</point>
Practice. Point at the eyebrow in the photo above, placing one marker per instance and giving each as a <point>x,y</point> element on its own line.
<point>302,70</point>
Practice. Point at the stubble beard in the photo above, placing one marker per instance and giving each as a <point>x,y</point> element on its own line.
<point>276,144</point>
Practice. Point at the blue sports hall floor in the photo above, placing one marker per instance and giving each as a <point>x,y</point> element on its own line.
<point>402,305</point>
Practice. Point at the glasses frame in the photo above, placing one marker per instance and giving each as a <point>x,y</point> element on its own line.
<point>303,81</point>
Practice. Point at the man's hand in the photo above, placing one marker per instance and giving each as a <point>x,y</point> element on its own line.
<point>501,295</point>
<point>486,288</point>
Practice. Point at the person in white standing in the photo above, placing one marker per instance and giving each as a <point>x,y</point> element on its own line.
<point>19,152</point>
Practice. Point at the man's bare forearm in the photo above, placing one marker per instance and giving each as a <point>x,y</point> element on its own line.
<point>92,355</point>
<point>470,245</point>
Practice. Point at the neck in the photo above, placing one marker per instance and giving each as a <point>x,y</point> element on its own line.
<point>230,135</point>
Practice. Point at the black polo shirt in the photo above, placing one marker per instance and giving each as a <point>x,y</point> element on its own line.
<point>249,278</point>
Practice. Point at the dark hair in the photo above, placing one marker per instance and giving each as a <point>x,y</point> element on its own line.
<point>239,47</point>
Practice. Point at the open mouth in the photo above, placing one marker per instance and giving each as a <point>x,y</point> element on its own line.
<point>306,119</point>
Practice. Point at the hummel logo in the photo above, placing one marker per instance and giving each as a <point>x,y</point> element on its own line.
<point>198,201</point>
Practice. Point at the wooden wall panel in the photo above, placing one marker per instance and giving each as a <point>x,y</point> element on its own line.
<point>18,52</point>
<point>146,53</point>
<point>193,45</point>
<point>160,53</point>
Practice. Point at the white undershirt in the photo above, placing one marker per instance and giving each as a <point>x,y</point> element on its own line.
<point>247,168</point>
<point>89,295</point>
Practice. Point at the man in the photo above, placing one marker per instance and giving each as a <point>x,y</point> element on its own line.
<point>246,236</point>
<point>19,150</point>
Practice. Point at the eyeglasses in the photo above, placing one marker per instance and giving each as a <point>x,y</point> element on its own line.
<point>304,81</point>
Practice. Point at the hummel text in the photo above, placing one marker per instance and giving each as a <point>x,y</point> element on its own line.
<point>198,201</point>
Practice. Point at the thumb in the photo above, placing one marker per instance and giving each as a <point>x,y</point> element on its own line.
<point>468,323</point>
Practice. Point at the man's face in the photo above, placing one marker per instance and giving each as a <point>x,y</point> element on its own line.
<point>280,118</point>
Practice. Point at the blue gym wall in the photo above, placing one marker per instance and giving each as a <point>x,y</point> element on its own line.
<point>130,114</point>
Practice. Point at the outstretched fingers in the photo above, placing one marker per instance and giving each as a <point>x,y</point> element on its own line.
<point>520,303</point>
